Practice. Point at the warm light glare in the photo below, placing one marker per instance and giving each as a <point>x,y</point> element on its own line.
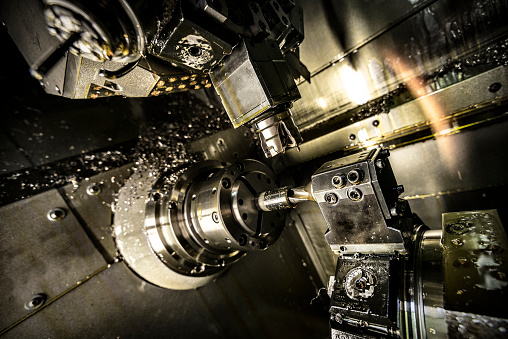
<point>321,102</point>
<point>355,85</point>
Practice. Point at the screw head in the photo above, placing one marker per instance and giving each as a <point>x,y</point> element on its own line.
<point>37,301</point>
<point>215,217</point>
<point>339,181</point>
<point>494,87</point>
<point>56,214</point>
<point>355,194</point>
<point>93,189</point>
<point>331,198</point>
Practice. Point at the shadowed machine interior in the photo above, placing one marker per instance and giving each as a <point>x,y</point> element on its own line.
<point>254,169</point>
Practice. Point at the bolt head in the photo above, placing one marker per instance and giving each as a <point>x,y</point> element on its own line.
<point>331,198</point>
<point>93,189</point>
<point>56,214</point>
<point>215,217</point>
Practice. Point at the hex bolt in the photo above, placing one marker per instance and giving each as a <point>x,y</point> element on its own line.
<point>331,198</point>
<point>37,301</point>
<point>355,194</point>
<point>93,189</point>
<point>339,180</point>
<point>56,214</point>
<point>355,176</point>
<point>215,217</point>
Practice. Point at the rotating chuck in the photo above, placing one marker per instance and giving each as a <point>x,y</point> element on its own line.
<point>184,235</point>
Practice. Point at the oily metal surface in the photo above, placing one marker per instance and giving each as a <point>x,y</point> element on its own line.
<point>92,202</point>
<point>264,295</point>
<point>39,255</point>
<point>423,112</point>
<point>355,57</point>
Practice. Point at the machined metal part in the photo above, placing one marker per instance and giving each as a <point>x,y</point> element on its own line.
<point>186,235</point>
<point>282,198</point>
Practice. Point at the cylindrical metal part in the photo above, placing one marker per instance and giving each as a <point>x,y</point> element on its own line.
<point>277,199</point>
<point>277,131</point>
<point>300,194</point>
<point>282,198</point>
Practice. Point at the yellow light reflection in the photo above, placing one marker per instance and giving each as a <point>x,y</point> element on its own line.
<point>355,85</point>
<point>433,111</point>
<point>321,102</point>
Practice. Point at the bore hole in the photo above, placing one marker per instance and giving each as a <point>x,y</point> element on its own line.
<point>253,243</point>
<point>193,197</point>
<point>273,224</point>
<point>240,202</point>
<point>278,215</point>
<point>195,51</point>
<point>259,176</point>
<point>268,181</point>
<point>232,172</point>
<point>244,216</point>
<point>242,240</point>
<point>226,183</point>
<point>214,190</point>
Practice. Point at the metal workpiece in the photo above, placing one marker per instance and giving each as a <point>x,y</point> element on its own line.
<point>186,234</point>
<point>356,195</point>
<point>282,198</point>
<point>277,131</point>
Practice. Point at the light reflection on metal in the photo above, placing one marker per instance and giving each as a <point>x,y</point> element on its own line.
<point>321,102</point>
<point>355,85</point>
